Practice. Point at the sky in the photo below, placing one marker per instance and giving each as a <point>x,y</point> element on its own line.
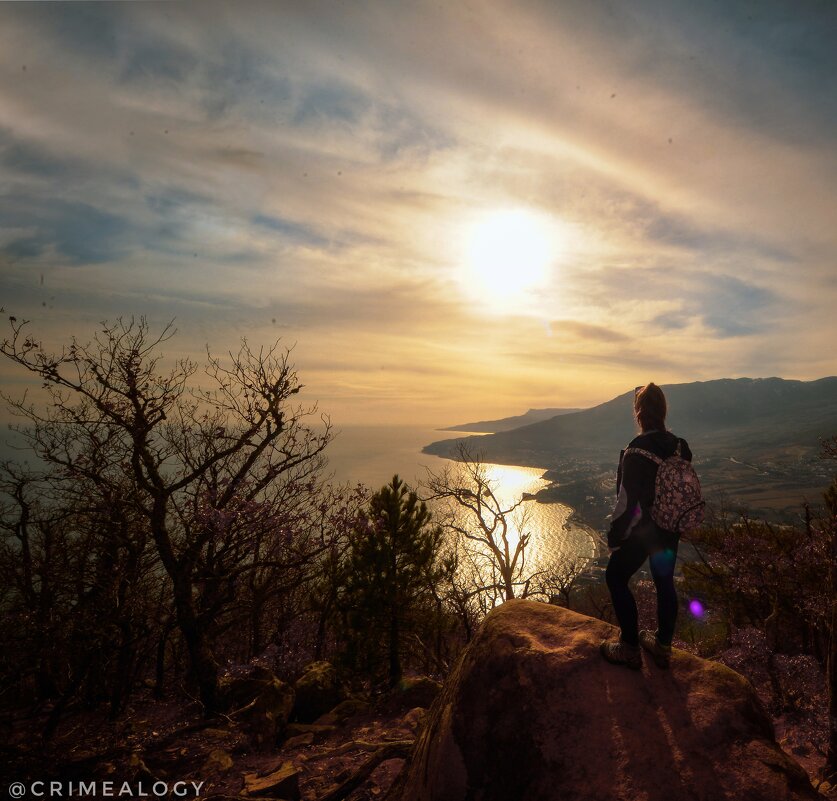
<point>451,211</point>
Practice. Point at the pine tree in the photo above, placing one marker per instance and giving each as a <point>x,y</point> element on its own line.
<point>394,559</point>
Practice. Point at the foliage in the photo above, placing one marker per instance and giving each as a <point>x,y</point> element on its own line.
<point>392,567</point>
<point>196,497</point>
<point>772,587</point>
<point>771,577</point>
<point>829,451</point>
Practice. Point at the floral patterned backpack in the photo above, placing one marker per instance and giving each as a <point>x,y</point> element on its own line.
<point>678,505</point>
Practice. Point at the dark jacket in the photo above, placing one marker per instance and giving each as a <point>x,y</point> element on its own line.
<point>635,481</point>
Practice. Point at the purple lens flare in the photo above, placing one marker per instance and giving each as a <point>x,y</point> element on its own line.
<point>696,608</point>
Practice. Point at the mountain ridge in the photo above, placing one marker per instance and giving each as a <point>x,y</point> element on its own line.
<point>610,424</point>
<point>756,442</point>
<point>508,423</point>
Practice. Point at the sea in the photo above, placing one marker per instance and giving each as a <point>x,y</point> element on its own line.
<point>371,455</point>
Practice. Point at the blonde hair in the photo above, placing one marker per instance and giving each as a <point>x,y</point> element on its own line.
<point>650,408</point>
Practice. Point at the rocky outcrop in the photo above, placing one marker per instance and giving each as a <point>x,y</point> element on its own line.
<point>532,713</point>
<point>343,711</point>
<point>260,702</point>
<point>414,691</point>
<point>318,690</point>
<point>241,685</point>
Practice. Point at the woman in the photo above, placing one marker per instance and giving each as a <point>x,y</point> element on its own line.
<point>635,537</point>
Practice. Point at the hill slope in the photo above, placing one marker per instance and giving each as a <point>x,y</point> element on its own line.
<point>755,440</point>
<point>761,413</point>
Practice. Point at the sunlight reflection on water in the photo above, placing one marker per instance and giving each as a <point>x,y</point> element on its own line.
<point>372,454</point>
<point>553,536</point>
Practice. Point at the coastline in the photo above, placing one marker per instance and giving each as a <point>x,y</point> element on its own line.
<point>372,454</point>
<point>599,542</point>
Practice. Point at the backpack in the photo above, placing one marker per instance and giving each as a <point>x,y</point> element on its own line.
<point>678,506</point>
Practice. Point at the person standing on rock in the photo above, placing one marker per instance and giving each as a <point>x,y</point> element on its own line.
<point>635,535</point>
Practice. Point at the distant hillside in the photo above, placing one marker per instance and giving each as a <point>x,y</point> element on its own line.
<point>754,440</point>
<point>760,413</point>
<point>508,423</point>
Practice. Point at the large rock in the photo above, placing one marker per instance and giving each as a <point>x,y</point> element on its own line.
<point>318,690</point>
<point>413,691</point>
<point>241,685</point>
<point>259,701</point>
<point>532,712</point>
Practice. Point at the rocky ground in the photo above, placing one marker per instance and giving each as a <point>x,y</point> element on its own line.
<point>353,751</point>
<point>533,712</point>
<point>303,741</point>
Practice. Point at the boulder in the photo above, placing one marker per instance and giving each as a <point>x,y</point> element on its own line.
<point>141,771</point>
<point>409,693</point>
<point>532,712</point>
<point>320,731</point>
<point>231,739</point>
<point>298,741</point>
<point>241,685</point>
<point>265,718</point>
<point>343,711</point>
<point>318,690</point>
<point>414,718</point>
<point>417,691</point>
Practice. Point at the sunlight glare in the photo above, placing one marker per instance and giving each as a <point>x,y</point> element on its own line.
<point>507,254</point>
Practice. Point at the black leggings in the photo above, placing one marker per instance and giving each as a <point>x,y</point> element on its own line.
<point>624,562</point>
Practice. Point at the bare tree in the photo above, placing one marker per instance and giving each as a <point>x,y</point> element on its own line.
<point>557,580</point>
<point>469,588</point>
<point>210,469</point>
<point>493,533</point>
<point>84,590</point>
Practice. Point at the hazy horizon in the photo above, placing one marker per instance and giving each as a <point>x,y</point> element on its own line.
<point>452,213</point>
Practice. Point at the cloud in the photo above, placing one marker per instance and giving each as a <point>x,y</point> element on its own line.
<point>76,233</point>
<point>291,231</point>
<point>668,229</point>
<point>733,307</point>
<point>152,62</point>
<point>317,164</point>
<point>671,321</point>
<point>96,32</point>
<point>625,359</point>
<point>580,330</point>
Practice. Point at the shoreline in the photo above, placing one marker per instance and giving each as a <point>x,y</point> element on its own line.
<point>598,540</point>
<point>546,496</point>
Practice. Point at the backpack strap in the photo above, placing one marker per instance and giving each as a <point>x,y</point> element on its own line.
<point>647,454</point>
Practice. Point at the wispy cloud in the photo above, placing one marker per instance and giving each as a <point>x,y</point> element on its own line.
<point>582,330</point>
<point>310,169</point>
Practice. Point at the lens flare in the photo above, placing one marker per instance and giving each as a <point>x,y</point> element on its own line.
<point>696,608</point>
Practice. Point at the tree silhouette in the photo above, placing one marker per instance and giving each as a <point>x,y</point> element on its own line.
<point>492,531</point>
<point>393,560</point>
<point>214,472</point>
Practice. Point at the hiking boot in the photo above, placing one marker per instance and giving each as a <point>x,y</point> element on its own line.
<point>660,653</point>
<point>620,653</point>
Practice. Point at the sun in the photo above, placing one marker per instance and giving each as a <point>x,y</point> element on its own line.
<point>507,255</point>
